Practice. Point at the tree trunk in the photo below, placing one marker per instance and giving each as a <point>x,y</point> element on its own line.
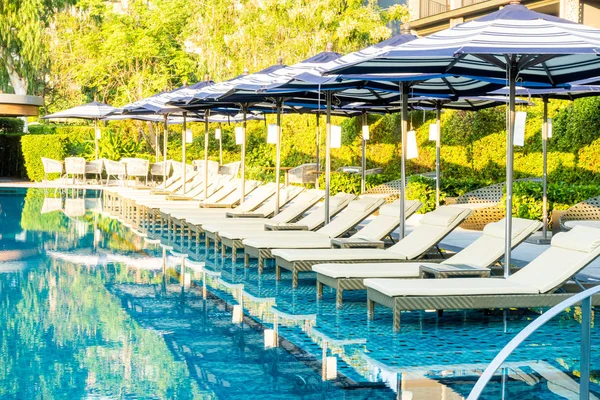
<point>18,82</point>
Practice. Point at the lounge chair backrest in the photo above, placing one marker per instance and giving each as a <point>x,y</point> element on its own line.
<point>235,196</point>
<point>387,220</point>
<point>230,169</point>
<point>353,214</point>
<point>286,194</point>
<point>136,167</point>
<point>337,203</point>
<point>114,168</point>
<point>258,196</point>
<point>52,166</point>
<point>161,168</point>
<point>225,190</point>
<point>490,246</point>
<point>434,226</point>
<point>213,167</point>
<point>94,167</point>
<point>299,205</point>
<point>568,254</point>
<point>75,165</point>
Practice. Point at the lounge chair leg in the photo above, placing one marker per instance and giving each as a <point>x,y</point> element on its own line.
<point>319,290</point>
<point>234,255</point>
<point>339,294</point>
<point>295,278</point>
<point>396,311</point>
<point>277,272</point>
<point>223,251</point>
<point>206,242</point>
<point>246,260</point>
<point>370,309</point>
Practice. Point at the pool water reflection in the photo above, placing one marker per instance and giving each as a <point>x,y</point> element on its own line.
<point>90,309</point>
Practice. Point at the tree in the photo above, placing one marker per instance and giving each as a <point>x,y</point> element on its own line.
<point>23,55</point>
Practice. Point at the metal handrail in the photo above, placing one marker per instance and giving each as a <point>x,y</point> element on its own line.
<point>585,298</point>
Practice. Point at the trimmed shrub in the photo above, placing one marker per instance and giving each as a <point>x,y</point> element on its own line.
<point>37,146</point>
<point>11,125</point>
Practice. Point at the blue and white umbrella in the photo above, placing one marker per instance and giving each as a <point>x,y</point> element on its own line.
<point>513,43</point>
<point>94,111</point>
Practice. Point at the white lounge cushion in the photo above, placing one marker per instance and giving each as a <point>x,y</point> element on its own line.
<point>298,241</point>
<point>588,223</point>
<point>448,287</point>
<point>443,216</point>
<point>519,225</point>
<point>290,254</point>
<point>361,205</point>
<point>368,270</point>
<point>580,238</point>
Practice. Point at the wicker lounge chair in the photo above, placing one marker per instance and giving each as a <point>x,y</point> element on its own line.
<point>586,213</point>
<point>160,169</point>
<point>260,245</point>
<point>115,169</point>
<point>75,166</point>
<point>434,226</point>
<point>95,167</point>
<point>137,168</point>
<point>392,188</point>
<point>485,204</point>
<point>535,285</point>
<point>230,169</point>
<point>302,174</point>
<point>51,167</point>
<point>482,253</point>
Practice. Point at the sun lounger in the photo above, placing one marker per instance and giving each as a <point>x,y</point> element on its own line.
<point>368,238</point>
<point>534,285</point>
<point>482,253</point>
<point>233,237</point>
<point>434,227</point>
<point>260,246</point>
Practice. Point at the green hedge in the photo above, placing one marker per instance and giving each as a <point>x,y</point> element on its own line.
<point>11,125</point>
<point>37,146</point>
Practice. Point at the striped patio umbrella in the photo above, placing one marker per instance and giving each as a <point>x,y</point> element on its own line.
<point>511,44</point>
<point>160,104</point>
<point>94,111</point>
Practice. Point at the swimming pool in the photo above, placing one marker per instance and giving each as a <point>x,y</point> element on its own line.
<point>88,310</point>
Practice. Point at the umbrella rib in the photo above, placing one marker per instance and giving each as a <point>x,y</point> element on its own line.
<point>453,63</point>
<point>449,85</point>
<point>535,60</point>
<point>548,73</point>
<point>491,59</point>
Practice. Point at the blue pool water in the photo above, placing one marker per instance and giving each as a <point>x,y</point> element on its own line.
<point>87,311</point>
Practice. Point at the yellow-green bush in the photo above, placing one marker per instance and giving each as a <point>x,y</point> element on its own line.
<point>35,147</point>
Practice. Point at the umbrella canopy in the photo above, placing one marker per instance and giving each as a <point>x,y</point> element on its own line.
<point>514,42</point>
<point>159,103</point>
<point>544,50</point>
<point>94,110</point>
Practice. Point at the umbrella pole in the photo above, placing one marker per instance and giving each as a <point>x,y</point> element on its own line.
<point>363,164</point>
<point>318,148</point>
<point>243,173</point>
<point>206,115</point>
<point>327,155</point>
<point>438,145</point>
<point>96,137</point>
<point>220,146</point>
<point>509,167</point>
<point>156,142</point>
<point>545,168</point>
<point>278,156</point>
<point>404,126</point>
<point>183,137</point>
<point>165,136</point>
